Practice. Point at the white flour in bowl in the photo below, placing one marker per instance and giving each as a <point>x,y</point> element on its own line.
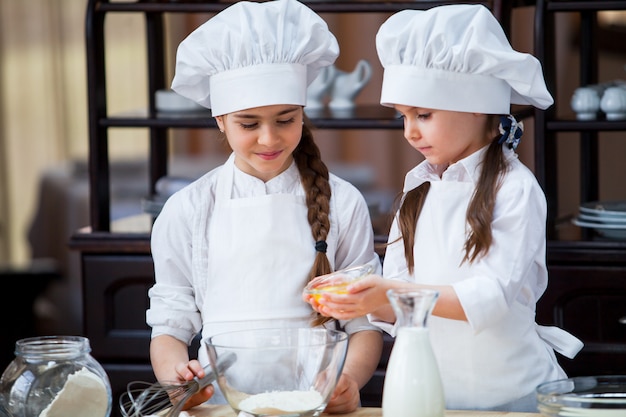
<point>282,401</point>
<point>83,395</point>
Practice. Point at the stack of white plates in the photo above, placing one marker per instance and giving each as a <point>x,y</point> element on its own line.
<point>607,218</point>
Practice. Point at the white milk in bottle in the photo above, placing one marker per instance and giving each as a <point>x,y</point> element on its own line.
<point>412,385</point>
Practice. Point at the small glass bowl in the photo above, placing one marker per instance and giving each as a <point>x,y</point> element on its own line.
<point>584,396</point>
<point>338,281</point>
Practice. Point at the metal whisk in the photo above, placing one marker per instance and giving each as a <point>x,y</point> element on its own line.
<point>145,398</point>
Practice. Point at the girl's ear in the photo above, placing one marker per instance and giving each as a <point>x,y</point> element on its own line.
<point>220,123</point>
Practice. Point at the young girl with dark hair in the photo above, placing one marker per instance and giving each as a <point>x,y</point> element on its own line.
<point>234,249</point>
<point>472,219</point>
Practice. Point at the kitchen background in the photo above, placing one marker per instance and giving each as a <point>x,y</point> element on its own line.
<point>44,138</point>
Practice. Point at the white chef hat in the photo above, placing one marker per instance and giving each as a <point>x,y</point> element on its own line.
<point>458,58</point>
<point>254,54</point>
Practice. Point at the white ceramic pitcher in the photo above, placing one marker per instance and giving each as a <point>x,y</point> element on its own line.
<point>347,85</point>
<point>319,89</point>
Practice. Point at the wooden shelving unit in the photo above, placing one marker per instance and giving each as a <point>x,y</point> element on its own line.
<point>117,266</point>
<point>587,290</point>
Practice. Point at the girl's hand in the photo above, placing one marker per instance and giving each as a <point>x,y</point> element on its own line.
<point>363,297</point>
<point>202,396</point>
<point>188,371</point>
<point>308,298</point>
<point>345,398</point>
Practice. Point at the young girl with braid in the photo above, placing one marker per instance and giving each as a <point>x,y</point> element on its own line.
<point>234,249</point>
<point>472,218</point>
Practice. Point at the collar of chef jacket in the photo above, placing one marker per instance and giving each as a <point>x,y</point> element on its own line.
<point>464,170</point>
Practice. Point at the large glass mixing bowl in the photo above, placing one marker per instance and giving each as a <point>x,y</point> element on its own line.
<point>280,371</point>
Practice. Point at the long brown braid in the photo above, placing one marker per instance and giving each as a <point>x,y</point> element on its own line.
<point>479,212</point>
<point>314,174</point>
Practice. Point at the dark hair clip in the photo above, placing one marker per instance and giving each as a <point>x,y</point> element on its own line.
<point>321,246</point>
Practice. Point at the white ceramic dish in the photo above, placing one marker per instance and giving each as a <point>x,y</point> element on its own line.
<point>605,208</point>
<point>611,231</point>
<point>601,220</point>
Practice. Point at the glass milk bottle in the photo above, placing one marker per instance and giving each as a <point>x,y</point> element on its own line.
<point>412,385</point>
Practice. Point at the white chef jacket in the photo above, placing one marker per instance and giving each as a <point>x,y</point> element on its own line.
<point>500,354</point>
<point>204,283</point>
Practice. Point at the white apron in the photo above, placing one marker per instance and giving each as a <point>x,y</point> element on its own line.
<point>479,370</point>
<point>260,252</point>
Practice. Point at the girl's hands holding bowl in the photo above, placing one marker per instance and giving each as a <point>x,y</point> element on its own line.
<point>342,296</point>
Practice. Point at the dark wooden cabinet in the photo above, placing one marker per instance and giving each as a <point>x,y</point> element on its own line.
<point>590,301</point>
<point>586,294</point>
<point>117,294</point>
<point>117,272</point>
<point>117,266</point>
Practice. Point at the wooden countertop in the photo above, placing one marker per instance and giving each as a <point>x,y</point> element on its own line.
<point>226,411</point>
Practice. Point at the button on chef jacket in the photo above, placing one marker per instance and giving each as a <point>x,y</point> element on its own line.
<point>233,252</point>
<point>500,354</point>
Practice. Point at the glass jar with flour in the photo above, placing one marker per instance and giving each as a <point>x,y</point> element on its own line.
<point>55,376</point>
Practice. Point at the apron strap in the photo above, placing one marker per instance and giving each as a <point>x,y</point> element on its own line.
<point>560,340</point>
